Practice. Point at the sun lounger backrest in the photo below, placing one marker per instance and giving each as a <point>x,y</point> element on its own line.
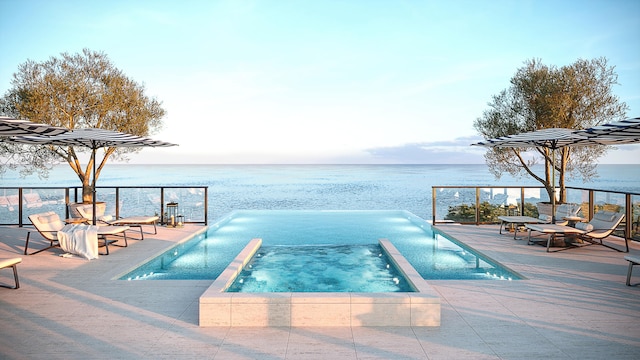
<point>86,211</point>
<point>605,222</point>
<point>565,210</point>
<point>47,224</point>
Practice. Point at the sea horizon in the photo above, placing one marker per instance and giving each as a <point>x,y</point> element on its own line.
<point>607,174</point>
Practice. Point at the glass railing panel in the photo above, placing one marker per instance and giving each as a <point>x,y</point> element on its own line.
<point>613,202</point>
<point>9,205</point>
<point>456,204</point>
<point>139,202</point>
<point>40,200</point>
<point>608,201</point>
<point>191,202</point>
<point>580,197</point>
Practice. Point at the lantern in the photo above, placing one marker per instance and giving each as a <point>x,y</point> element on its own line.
<point>172,214</point>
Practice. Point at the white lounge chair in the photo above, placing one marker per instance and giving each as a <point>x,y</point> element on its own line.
<point>603,224</point>
<point>48,224</point>
<point>633,260</point>
<point>562,211</point>
<point>86,211</point>
<point>11,263</point>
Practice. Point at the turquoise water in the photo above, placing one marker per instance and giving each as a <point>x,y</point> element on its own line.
<point>307,268</point>
<point>433,255</point>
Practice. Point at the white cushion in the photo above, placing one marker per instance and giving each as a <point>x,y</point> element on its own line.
<point>545,218</point>
<point>48,218</point>
<point>584,226</point>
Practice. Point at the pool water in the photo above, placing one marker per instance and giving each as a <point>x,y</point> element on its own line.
<point>433,255</point>
<point>332,268</point>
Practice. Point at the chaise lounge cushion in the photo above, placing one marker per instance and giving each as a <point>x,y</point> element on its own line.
<point>584,226</point>
<point>49,221</point>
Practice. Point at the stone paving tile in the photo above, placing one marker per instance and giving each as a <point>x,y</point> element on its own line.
<point>574,304</point>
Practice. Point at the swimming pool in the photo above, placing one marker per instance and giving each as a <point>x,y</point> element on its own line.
<point>433,255</point>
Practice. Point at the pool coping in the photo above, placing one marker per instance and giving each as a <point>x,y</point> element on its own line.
<point>418,308</point>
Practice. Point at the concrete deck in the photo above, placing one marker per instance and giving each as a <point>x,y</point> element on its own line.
<point>574,305</point>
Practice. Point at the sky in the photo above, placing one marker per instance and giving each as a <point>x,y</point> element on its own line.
<point>331,82</point>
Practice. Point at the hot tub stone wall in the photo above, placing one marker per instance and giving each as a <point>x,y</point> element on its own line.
<point>220,308</point>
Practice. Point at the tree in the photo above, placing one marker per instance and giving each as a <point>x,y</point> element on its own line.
<point>78,91</point>
<point>575,96</point>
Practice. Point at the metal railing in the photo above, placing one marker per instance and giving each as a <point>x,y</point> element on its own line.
<point>483,204</point>
<point>17,203</point>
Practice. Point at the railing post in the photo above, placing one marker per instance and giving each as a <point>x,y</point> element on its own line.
<point>66,203</point>
<point>20,207</point>
<point>477,205</point>
<point>162,221</point>
<point>433,205</point>
<point>206,205</point>
<point>628,217</point>
<point>117,202</point>
<point>522,201</point>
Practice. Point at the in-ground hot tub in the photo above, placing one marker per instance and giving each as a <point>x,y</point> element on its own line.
<point>420,307</point>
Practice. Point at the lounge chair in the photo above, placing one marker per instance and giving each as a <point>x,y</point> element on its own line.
<point>12,263</point>
<point>86,211</point>
<point>603,224</point>
<point>118,231</point>
<point>563,210</point>
<point>49,223</point>
<point>633,260</point>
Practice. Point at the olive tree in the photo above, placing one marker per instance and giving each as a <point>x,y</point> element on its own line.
<point>74,91</point>
<point>575,96</point>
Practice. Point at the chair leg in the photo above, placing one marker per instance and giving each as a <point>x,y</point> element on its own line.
<point>26,245</point>
<point>106,243</point>
<point>631,263</point>
<point>15,275</point>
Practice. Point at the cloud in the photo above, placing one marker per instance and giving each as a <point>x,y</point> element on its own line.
<point>457,151</point>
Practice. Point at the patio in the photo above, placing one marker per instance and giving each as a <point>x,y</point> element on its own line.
<point>573,305</point>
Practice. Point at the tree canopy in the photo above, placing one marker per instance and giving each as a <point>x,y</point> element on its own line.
<point>74,91</point>
<point>576,96</point>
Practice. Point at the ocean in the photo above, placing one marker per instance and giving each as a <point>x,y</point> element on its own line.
<point>317,187</point>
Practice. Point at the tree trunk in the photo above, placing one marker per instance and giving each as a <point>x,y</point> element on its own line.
<point>87,193</point>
